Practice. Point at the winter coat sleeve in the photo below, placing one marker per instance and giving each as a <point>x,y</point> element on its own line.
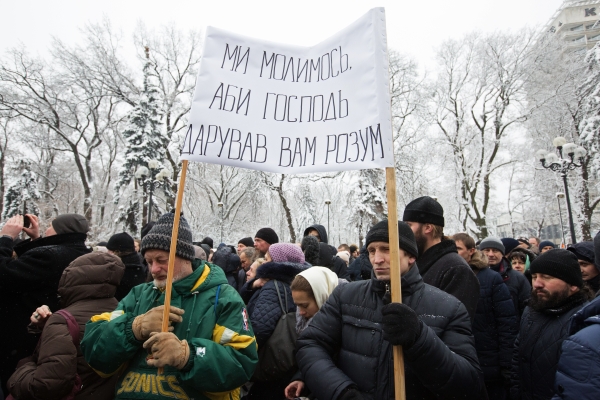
<point>316,347</point>
<point>506,320</point>
<point>461,282</point>
<point>457,373</point>
<point>27,271</point>
<point>109,342</point>
<point>53,375</point>
<point>228,360</point>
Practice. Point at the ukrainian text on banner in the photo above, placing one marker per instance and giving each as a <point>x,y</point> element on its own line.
<point>290,109</point>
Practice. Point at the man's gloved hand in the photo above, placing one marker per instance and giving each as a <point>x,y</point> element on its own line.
<point>350,393</point>
<point>166,349</point>
<point>401,326</point>
<point>143,325</point>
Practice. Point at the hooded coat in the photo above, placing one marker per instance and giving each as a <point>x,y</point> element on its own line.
<point>25,284</point>
<point>86,287</point>
<point>442,267</point>
<point>344,345</point>
<point>495,322</point>
<point>319,228</point>
<point>578,371</point>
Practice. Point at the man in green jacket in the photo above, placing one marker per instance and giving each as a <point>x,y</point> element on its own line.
<point>210,350</point>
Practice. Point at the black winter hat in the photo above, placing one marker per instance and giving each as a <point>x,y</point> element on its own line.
<point>546,243</point>
<point>509,244</point>
<point>122,242</point>
<point>247,241</point>
<point>70,223</point>
<point>268,235</point>
<point>208,240</point>
<point>559,263</point>
<point>425,210</point>
<point>583,251</point>
<point>146,228</point>
<point>380,233</point>
<point>159,237</point>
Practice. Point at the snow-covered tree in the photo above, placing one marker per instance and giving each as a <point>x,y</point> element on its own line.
<point>22,195</point>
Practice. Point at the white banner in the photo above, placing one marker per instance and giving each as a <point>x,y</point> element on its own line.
<point>291,109</point>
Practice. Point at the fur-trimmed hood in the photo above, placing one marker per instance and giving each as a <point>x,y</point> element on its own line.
<point>284,271</point>
<point>478,261</point>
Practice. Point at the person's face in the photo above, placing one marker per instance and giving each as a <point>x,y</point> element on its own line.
<point>494,256</point>
<point>588,270</point>
<point>533,241</point>
<point>158,263</point>
<point>50,231</point>
<point>545,249</point>
<point>518,264</point>
<point>136,244</point>
<point>307,306</point>
<point>261,245</point>
<point>379,255</point>
<point>463,251</point>
<point>244,261</point>
<point>240,247</point>
<point>548,291</point>
<point>251,271</point>
<point>315,233</point>
<point>268,257</point>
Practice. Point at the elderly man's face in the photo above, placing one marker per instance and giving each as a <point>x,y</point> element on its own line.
<point>245,261</point>
<point>158,263</point>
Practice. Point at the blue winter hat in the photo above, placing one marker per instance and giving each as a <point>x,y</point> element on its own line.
<point>546,243</point>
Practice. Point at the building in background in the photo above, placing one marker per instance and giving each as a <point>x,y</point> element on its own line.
<point>577,22</point>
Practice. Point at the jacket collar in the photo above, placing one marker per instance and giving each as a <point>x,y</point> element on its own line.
<point>64,239</point>
<point>434,253</point>
<point>411,282</point>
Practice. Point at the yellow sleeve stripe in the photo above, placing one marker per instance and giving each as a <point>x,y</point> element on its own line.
<point>227,337</point>
<point>107,316</point>
<point>202,278</point>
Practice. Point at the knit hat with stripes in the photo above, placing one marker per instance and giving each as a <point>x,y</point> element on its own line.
<point>159,237</point>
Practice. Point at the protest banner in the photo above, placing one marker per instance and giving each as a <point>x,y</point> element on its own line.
<point>290,109</point>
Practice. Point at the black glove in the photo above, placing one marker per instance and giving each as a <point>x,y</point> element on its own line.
<point>350,393</point>
<point>505,373</point>
<point>401,326</point>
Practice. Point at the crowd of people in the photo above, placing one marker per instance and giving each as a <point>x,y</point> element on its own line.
<point>497,319</point>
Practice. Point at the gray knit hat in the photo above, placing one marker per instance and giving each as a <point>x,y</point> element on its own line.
<point>159,237</point>
<point>492,243</point>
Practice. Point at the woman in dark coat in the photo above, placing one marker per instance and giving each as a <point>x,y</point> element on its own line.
<point>87,288</point>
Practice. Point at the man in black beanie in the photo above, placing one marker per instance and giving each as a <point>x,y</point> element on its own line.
<point>263,239</point>
<point>557,294</point>
<point>243,243</point>
<point>439,262</point>
<point>346,351</point>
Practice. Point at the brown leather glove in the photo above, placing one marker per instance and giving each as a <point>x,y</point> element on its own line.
<point>166,349</point>
<point>143,325</point>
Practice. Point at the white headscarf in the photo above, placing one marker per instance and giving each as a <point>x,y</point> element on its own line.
<point>322,281</point>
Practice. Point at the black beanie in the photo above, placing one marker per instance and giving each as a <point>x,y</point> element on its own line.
<point>559,263</point>
<point>406,238</point>
<point>208,240</point>
<point>159,237</point>
<point>247,241</point>
<point>70,223</point>
<point>424,210</point>
<point>122,242</point>
<point>268,235</point>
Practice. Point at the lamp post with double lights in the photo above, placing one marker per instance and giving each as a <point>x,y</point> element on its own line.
<point>557,162</point>
<point>328,202</point>
<point>151,178</point>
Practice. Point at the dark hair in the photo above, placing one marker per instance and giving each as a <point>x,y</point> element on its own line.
<point>300,284</point>
<point>353,248</point>
<point>467,240</point>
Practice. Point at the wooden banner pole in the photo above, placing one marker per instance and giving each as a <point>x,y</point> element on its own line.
<point>174,234</point>
<point>390,184</point>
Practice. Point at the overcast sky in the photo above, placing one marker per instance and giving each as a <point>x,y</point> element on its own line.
<point>414,27</point>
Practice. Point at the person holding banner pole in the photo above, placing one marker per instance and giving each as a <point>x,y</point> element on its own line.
<point>346,351</point>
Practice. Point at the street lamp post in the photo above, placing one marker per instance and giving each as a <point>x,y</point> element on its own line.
<point>150,178</point>
<point>557,163</point>
<point>220,205</point>
<point>328,202</point>
<point>562,228</point>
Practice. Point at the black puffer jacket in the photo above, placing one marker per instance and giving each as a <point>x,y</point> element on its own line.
<point>263,306</point>
<point>442,267</point>
<point>442,364</point>
<point>537,349</point>
<point>518,285</point>
<point>319,228</point>
<point>27,283</point>
<point>135,274</point>
<point>87,288</point>
<point>495,323</point>
<point>360,268</point>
